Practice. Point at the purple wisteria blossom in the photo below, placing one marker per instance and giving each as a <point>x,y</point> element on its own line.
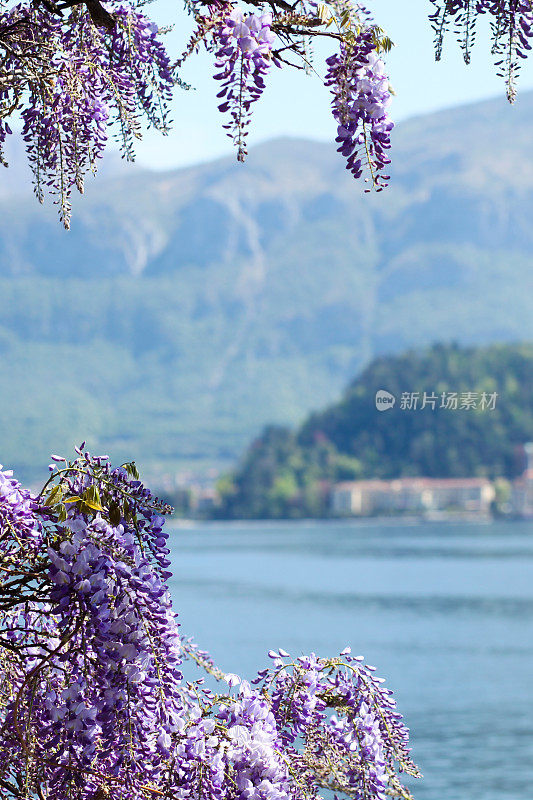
<point>75,84</point>
<point>17,516</point>
<point>80,71</point>
<point>511,22</point>
<point>93,704</point>
<point>361,97</point>
<point>243,55</point>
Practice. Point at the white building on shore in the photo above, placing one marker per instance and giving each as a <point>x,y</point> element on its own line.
<point>522,490</point>
<point>412,495</point>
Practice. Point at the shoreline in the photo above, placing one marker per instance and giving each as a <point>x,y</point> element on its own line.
<point>396,521</point>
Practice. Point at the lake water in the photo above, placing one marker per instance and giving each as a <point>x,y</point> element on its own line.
<point>444,611</point>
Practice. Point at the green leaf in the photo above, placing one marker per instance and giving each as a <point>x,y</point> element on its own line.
<point>54,497</point>
<point>93,505</point>
<point>131,469</point>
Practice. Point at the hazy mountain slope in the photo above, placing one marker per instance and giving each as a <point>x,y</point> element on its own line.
<point>185,309</point>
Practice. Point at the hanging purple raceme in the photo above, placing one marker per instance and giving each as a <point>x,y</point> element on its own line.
<point>147,82</point>
<point>511,22</point>
<point>93,704</point>
<point>80,71</point>
<point>78,80</point>
<point>361,97</point>
<point>244,56</point>
<point>348,720</point>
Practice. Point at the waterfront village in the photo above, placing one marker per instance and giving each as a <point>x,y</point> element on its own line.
<point>476,497</point>
<point>417,496</point>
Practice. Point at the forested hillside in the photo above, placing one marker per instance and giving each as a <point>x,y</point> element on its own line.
<point>285,472</point>
<point>187,309</point>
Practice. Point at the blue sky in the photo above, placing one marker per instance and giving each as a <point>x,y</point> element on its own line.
<point>298,105</point>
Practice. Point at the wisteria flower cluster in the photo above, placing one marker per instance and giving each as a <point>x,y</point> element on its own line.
<point>512,28</point>
<point>78,70</point>
<point>93,704</point>
<point>247,44</point>
<point>74,78</point>
<point>72,82</point>
<point>243,56</point>
<point>361,97</point>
